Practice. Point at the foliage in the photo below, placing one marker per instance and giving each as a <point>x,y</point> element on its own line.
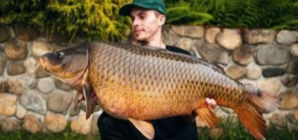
<point>95,19</point>
<point>275,14</point>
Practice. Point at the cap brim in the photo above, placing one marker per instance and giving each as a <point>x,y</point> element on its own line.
<point>125,10</point>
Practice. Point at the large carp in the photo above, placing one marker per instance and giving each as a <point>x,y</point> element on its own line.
<point>140,83</point>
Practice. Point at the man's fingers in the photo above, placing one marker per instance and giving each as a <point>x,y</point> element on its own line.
<point>211,103</point>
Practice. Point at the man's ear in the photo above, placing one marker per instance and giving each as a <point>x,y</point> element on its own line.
<point>162,19</point>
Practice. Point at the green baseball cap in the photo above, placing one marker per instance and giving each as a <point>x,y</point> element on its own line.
<point>158,5</point>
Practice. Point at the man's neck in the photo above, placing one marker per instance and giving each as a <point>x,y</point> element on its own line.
<point>156,41</point>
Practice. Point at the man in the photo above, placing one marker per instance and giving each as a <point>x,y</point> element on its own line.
<point>147,19</point>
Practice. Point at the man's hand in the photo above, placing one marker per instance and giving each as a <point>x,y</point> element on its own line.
<point>211,102</point>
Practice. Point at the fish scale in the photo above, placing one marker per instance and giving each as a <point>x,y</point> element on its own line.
<point>140,83</point>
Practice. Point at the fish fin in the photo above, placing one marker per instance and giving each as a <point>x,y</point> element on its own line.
<point>250,112</point>
<point>145,127</point>
<point>252,120</point>
<point>263,101</point>
<point>89,100</point>
<point>217,67</point>
<point>207,115</point>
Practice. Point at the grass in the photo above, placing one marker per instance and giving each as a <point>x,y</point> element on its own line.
<point>231,131</point>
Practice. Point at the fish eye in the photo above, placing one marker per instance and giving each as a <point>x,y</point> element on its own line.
<point>60,55</point>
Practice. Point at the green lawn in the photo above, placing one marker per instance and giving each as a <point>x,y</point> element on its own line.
<point>238,133</point>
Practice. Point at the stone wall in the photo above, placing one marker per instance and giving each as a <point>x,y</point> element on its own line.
<point>33,100</point>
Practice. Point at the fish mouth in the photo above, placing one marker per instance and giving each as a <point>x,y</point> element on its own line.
<point>42,63</point>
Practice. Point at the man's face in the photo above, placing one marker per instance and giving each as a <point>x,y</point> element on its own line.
<point>145,23</point>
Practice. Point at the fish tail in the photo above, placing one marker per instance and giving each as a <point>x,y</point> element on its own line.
<point>263,101</point>
<point>251,110</point>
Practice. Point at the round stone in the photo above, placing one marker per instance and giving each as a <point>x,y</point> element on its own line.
<point>229,39</point>
<point>254,73</point>
<point>15,50</point>
<point>46,85</point>
<point>2,64</point>
<point>39,48</point>
<point>16,68</point>
<point>55,123</point>
<point>294,50</point>
<point>271,85</point>
<point>8,104</point>
<point>211,34</point>
<point>31,64</point>
<point>236,72</point>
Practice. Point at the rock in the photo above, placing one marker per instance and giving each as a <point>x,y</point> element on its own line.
<point>243,55</point>
<point>21,112</point>
<point>215,133</point>
<point>59,102</point>
<point>32,123</point>
<point>184,43</point>
<point>278,120</point>
<point>26,33</point>
<point>294,50</point>
<point>59,84</point>
<point>72,111</point>
<point>296,115</point>
<point>4,36</point>
<point>247,81</point>
<point>46,85</point>
<point>39,48</point>
<point>83,106</point>
<point>290,118</point>
<point>212,53</point>
<point>265,52</point>
<point>40,73</point>
<point>27,82</point>
<point>257,36</point>
<point>271,85</point>
<point>211,34</point>
<point>170,38</point>
<point>94,128</point>
<point>8,104</point>
<point>31,65</point>
<point>10,125</point>
<point>15,68</point>
<point>189,31</point>
<point>11,86</point>
<point>254,73</point>
<point>289,80</point>
<point>15,50</point>
<point>200,123</point>
<point>2,64</point>
<point>292,67</point>
<point>235,72</point>
<point>273,72</point>
<point>80,125</point>
<point>289,100</point>
<point>15,87</point>
<point>55,123</point>
<point>287,37</point>
<point>229,39</point>
<point>33,101</point>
